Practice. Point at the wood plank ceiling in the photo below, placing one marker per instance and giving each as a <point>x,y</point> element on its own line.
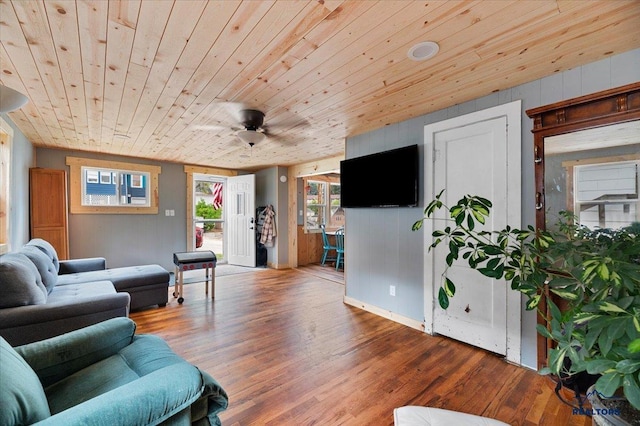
<point>160,79</point>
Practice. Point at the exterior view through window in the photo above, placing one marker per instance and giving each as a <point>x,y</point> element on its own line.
<point>110,187</point>
<point>322,205</point>
<point>208,215</point>
<point>606,195</point>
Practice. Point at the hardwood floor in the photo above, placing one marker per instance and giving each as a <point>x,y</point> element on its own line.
<point>289,352</point>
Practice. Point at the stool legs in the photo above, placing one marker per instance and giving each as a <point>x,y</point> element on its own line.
<point>178,285</point>
<point>213,282</point>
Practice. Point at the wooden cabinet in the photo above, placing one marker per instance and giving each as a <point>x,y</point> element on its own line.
<point>309,247</point>
<point>48,208</point>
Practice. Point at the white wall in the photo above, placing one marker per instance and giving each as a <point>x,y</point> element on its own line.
<point>22,159</point>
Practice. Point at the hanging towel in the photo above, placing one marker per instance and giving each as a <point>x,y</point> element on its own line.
<point>268,228</point>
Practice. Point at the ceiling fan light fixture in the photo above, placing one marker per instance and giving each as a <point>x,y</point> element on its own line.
<point>10,99</point>
<point>423,51</point>
<point>251,136</point>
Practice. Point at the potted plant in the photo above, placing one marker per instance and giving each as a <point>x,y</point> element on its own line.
<point>594,273</point>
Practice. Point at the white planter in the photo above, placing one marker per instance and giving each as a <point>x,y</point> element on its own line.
<point>607,413</point>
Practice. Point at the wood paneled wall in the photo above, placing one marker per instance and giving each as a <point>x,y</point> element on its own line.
<point>310,247</point>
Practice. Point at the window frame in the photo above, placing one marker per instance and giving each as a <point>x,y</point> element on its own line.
<point>75,188</point>
<point>327,181</point>
<point>572,202</point>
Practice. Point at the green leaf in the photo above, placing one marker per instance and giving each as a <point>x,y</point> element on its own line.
<point>417,225</point>
<point>542,330</point>
<point>449,287</point>
<point>634,346</point>
<point>583,317</point>
<point>565,294</point>
<point>631,390</point>
<point>603,271</point>
<point>459,219</point>
<point>628,366</point>
<point>484,201</point>
<point>609,383</point>
<point>610,307</point>
<point>605,341</point>
<point>556,360</point>
<point>544,371</point>
<point>479,217</point>
<point>599,366</point>
<point>456,210</point>
<point>555,311</point>
<point>471,223</point>
<point>450,258</point>
<point>533,302</point>
<point>492,250</point>
<point>488,272</point>
<point>443,299</point>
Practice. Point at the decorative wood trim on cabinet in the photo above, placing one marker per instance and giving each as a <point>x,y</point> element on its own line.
<point>617,105</point>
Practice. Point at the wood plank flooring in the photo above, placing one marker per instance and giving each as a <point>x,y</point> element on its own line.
<point>289,352</point>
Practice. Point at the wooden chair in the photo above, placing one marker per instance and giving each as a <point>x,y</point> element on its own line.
<point>327,246</point>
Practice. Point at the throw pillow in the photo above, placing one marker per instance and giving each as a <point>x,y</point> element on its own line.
<point>22,397</point>
<point>44,264</point>
<point>47,249</point>
<point>20,282</point>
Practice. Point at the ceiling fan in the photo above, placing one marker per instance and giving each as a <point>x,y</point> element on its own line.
<point>254,128</point>
<point>250,127</point>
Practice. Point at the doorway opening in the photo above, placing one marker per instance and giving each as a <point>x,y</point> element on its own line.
<point>208,215</point>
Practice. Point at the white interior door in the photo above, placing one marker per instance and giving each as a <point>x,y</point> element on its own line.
<point>241,233</point>
<point>473,155</point>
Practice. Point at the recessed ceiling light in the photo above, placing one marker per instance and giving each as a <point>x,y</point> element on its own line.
<point>423,51</point>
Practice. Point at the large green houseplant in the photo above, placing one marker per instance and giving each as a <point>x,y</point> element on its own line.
<point>596,273</point>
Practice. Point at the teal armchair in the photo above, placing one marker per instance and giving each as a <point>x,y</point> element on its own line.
<point>104,374</point>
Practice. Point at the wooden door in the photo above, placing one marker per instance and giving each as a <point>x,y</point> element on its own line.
<point>48,208</point>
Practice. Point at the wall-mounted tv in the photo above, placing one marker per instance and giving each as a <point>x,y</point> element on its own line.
<point>383,179</point>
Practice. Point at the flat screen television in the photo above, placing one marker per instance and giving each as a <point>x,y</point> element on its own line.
<point>383,179</point>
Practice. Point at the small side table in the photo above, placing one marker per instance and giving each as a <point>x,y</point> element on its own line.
<point>191,261</point>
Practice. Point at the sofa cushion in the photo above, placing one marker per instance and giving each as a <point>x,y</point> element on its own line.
<point>22,398</point>
<point>47,249</point>
<point>20,282</point>
<point>125,278</point>
<point>145,355</point>
<point>47,270</point>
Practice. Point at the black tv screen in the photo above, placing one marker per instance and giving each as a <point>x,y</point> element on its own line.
<point>383,179</point>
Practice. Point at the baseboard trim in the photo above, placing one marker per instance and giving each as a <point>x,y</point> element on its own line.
<point>409,322</point>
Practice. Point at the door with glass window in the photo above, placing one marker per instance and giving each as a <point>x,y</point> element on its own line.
<point>240,222</point>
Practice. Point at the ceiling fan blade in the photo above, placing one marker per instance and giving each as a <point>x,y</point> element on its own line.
<point>282,138</point>
<point>209,127</point>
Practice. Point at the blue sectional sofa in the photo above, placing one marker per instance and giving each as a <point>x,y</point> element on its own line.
<point>105,374</point>
<point>42,297</point>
